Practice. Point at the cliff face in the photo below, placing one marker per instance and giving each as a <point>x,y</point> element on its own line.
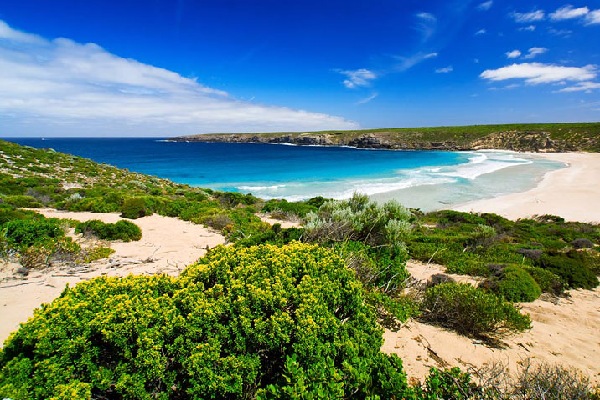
<point>557,138</point>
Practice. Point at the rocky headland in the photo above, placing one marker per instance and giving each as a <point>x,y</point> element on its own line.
<point>543,138</point>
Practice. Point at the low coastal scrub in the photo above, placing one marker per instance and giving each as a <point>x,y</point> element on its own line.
<point>297,209</point>
<point>121,230</point>
<point>263,322</point>
<point>555,253</point>
<point>472,311</point>
<point>514,284</point>
<point>282,320</point>
<point>260,322</point>
<point>34,241</point>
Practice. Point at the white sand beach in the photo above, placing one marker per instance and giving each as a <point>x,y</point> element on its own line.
<point>572,193</point>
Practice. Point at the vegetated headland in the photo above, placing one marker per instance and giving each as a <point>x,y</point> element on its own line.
<point>546,137</point>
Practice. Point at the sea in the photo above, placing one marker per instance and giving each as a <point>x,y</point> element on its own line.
<point>427,180</point>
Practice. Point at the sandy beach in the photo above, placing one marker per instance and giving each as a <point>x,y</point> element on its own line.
<point>572,193</point>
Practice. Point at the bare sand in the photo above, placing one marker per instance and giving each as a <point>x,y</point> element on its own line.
<point>572,193</point>
<point>564,331</point>
<point>167,246</point>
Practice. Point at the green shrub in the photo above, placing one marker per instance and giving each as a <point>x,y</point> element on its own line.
<point>383,268</point>
<point>572,267</point>
<point>448,384</point>
<point>23,233</point>
<point>472,311</point>
<point>133,208</point>
<point>9,213</point>
<point>121,230</point>
<point>516,285</point>
<point>548,281</point>
<point>300,208</point>
<point>96,253</point>
<point>22,201</point>
<point>359,219</point>
<point>260,322</point>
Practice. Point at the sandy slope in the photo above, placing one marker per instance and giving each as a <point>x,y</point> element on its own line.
<point>167,246</point>
<point>563,332</point>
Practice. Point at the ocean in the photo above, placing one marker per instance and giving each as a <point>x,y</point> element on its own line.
<point>427,180</point>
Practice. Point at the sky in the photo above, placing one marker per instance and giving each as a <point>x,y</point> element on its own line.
<point>164,68</point>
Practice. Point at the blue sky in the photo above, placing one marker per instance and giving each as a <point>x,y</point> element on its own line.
<point>164,68</point>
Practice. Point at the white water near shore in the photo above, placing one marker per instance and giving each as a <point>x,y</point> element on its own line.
<point>427,188</point>
<point>572,192</point>
<point>489,174</point>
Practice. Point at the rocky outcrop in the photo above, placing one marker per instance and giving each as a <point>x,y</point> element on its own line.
<point>538,142</point>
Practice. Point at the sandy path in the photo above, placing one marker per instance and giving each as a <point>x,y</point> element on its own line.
<point>563,333</point>
<point>572,193</point>
<point>167,246</point>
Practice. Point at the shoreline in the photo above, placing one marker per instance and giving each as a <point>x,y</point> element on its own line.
<point>569,192</point>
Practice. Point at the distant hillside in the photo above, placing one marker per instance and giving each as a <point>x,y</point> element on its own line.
<point>562,137</point>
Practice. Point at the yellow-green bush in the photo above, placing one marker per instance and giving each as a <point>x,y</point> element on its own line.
<point>259,322</point>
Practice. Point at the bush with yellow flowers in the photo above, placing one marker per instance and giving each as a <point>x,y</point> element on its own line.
<point>258,322</point>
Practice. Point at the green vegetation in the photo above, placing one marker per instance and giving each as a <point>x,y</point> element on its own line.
<point>518,137</point>
<point>516,284</point>
<point>471,311</point>
<point>260,322</point>
<point>34,241</point>
<point>283,209</point>
<point>121,230</point>
<point>487,244</point>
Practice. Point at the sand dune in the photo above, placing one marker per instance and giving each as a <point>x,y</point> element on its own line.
<point>564,331</point>
<point>167,246</point>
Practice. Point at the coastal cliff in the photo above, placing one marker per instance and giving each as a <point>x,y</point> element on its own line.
<point>548,138</point>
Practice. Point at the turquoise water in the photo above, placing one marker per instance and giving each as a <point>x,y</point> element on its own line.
<point>422,179</point>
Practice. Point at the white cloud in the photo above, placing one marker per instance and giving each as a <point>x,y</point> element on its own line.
<point>407,63</point>
<point>486,5</point>
<point>66,88</point>
<point>532,16</point>
<point>480,32</point>
<point>357,78</point>
<point>444,70</point>
<point>593,17</point>
<point>568,12</point>
<point>513,54</point>
<point>529,28</point>
<point>537,73</point>
<point>426,24</point>
<point>535,51</point>
<point>560,32</point>
<point>582,87</point>
<point>368,99</point>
